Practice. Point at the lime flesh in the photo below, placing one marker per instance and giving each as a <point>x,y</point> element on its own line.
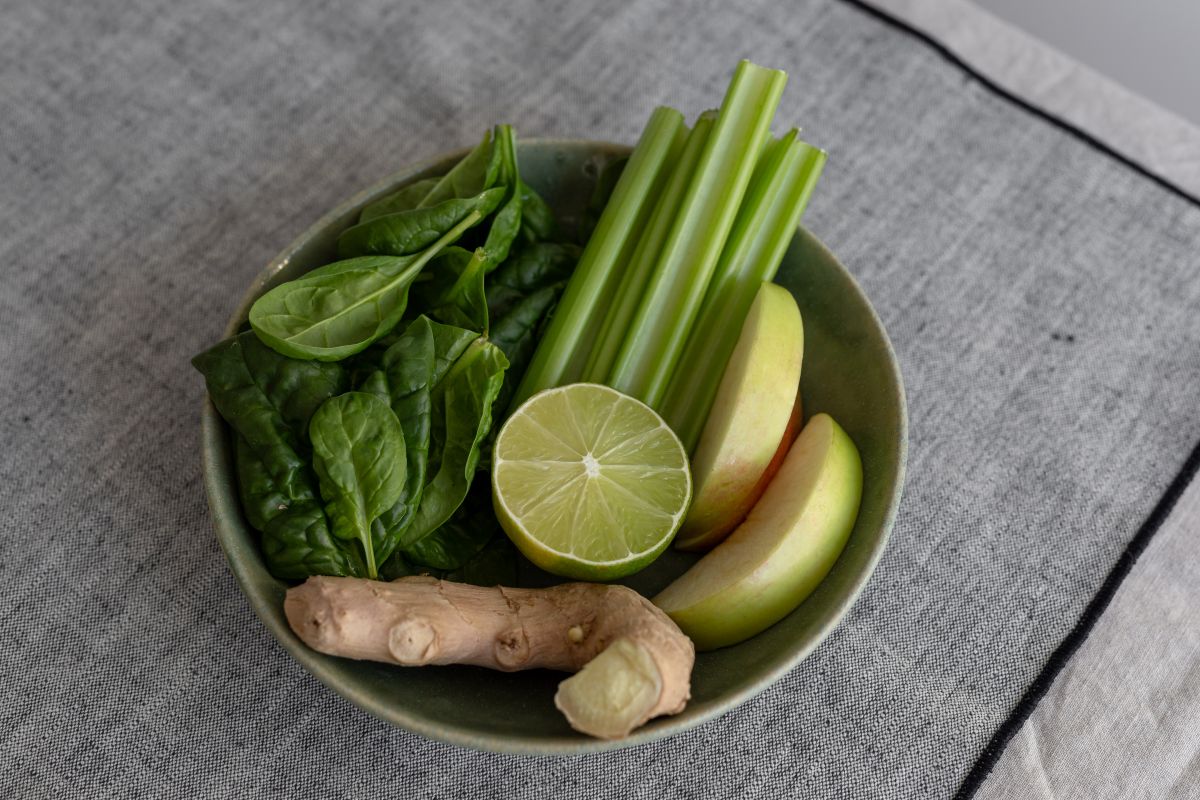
<point>589,483</point>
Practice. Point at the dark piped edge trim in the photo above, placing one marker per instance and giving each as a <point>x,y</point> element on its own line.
<point>1062,654</point>
<point>1162,510</point>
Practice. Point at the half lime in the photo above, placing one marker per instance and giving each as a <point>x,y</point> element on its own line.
<point>589,483</point>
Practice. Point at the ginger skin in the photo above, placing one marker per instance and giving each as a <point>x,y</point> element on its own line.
<point>416,621</point>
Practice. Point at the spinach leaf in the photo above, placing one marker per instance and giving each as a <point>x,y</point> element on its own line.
<point>341,308</point>
<point>407,232</point>
<point>462,537</point>
<point>470,547</point>
<point>296,541</point>
<point>268,400</point>
<point>528,269</point>
<point>537,220</point>
<point>398,567</point>
<point>409,371</point>
<point>262,498</point>
<point>405,199</point>
<point>298,544</point>
<point>460,420</point>
<point>455,294</point>
<point>406,219</point>
<point>362,365</point>
<point>453,544</point>
<point>358,454</point>
<point>295,388</point>
<point>507,222</point>
<point>478,170</point>
<point>517,332</point>
<point>494,565</point>
<point>521,296</point>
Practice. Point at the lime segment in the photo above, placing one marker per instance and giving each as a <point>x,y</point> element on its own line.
<point>589,483</point>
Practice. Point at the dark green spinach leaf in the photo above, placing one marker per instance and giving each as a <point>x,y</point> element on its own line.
<point>409,371</point>
<point>494,565</point>
<point>268,400</point>
<point>405,199</point>
<point>478,170</point>
<point>406,232</point>
<point>262,498</point>
<point>507,222</point>
<point>470,547</point>
<point>527,270</point>
<point>439,378</point>
<point>517,333</point>
<point>358,454</point>
<point>298,544</point>
<point>340,309</point>
<point>455,294</point>
<point>537,220</point>
<point>463,538</point>
<point>456,541</point>
<point>521,296</point>
<point>461,418</point>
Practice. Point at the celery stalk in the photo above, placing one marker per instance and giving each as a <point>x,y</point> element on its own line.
<point>566,345</point>
<point>641,266</point>
<point>766,222</point>
<point>659,330</point>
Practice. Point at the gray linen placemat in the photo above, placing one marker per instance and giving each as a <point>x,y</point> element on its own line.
<point>1119,717</point>
<point>1041,295</point>
<point>1160,141</point>
<point>1122,720</point>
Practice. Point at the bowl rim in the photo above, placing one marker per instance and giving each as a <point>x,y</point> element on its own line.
<point>221,505</point>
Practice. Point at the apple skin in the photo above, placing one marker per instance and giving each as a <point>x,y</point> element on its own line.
<point>783,550</point>
<point>749,420</point>
<point>707,540</point>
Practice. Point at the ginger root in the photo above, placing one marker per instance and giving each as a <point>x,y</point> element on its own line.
<point>633,662</point>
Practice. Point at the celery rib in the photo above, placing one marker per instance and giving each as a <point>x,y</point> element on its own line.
<point>566,345</point>
<point>779,192</point>
<point>641,265</point>
<point>657,335</point>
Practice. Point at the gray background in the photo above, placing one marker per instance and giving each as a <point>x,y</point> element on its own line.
<point>1041,297</point>
<point>1150,46</point>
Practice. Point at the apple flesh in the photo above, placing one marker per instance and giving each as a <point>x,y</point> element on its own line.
<point>783,550</point>
<point>749,421</point>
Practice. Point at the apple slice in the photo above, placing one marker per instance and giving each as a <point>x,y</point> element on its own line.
<point>749,420</point>
<point>786,546</point>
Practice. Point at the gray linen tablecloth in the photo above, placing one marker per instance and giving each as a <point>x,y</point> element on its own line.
<point>1041,295</point>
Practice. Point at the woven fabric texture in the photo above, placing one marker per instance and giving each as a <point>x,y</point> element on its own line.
<point>1042,297</point>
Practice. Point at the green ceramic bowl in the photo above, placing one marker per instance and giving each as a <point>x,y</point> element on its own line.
<point>850,371</point>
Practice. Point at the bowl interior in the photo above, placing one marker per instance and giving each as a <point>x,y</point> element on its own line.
<point>849,371</point>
